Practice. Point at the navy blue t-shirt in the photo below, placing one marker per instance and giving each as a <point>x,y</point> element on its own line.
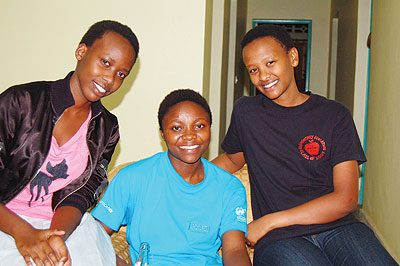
<point>291,152</point>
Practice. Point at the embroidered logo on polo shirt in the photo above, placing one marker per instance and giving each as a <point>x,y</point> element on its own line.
<point>241,214</point>
<point>198,228</point>
<point>106,206</point>
<point>312,147</point>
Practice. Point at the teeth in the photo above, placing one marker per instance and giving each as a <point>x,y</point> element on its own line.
<point>271,84</point>
<point>189,147</point>
<point>101,89</point>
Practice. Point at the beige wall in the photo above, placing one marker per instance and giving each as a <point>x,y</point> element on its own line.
<point>316,10</point>
<point>361,70</point>
<point>216,68</point>
<point>346,11</point>
<point>382,182</point>
<point>352,57</point>
<point>39,39</point>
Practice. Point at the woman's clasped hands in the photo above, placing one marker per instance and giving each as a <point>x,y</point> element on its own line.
<point>43,247</point>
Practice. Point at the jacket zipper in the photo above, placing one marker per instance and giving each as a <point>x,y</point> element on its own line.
<point>90,165</point>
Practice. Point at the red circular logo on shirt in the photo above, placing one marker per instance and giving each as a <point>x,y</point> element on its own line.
<point>312,147</point>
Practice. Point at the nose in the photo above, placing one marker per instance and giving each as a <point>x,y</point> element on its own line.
<point>109,77</point>
<point>188,135</point>
<point>264,75</point>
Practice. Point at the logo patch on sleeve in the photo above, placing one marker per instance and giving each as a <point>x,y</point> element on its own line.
<point>108,208</point>
<point>240,214</point>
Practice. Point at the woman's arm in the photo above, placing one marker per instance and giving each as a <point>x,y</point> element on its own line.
<point>31,243</point>
<point>234,250</point>
<point>120,262</point>
<point>106,228</point>
<point>330,207</point>
<point>230,162</point>
<point>65,218</point>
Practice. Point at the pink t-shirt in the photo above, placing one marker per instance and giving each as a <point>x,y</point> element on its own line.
<point>62,166</point>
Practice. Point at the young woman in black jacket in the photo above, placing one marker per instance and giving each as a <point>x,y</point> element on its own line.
<point>56,140</point>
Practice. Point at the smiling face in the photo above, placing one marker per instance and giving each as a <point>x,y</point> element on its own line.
<point>101,68</point>
<point>271,69</point>
<point>186,132</point>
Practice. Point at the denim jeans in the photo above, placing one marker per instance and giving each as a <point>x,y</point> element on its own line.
<point>353,244</point>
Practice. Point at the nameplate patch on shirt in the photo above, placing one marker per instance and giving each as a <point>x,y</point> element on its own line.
<point>199,228</point>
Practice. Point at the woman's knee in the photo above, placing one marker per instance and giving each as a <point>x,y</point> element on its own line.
<point>293,251</point>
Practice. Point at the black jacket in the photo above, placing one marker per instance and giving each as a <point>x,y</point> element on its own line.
<point>28,114</point>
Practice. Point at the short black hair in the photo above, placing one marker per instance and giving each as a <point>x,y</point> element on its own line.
<point>181,95</point>
<point>97,30</point>
<point>269,30</point>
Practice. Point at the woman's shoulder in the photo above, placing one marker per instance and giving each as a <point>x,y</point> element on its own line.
<point>27,89</point>
<point>244,105</point>
<point>245,101</point>
<point>143,165</point>
<point>135,173</point>
<point>329,107</point>
<point>321,100</point>
<point>226,179</point>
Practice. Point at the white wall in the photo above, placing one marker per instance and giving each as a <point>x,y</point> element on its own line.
<point>316,10</point>
<point>38,40</point>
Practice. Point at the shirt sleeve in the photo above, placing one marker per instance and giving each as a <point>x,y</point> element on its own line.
<point>113,208</point>
<point>232,143</point>
<point>12,111</point>
<point>346,145</point>
<point>234,208</point>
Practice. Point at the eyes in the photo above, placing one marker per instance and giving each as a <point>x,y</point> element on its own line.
<point>107,64</point>
<point>253,70</point>
<point>121,75</point>
<point>200,126</point>
<point>179,128</point>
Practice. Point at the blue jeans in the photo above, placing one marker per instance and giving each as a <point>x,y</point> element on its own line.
<point>353,244</point>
